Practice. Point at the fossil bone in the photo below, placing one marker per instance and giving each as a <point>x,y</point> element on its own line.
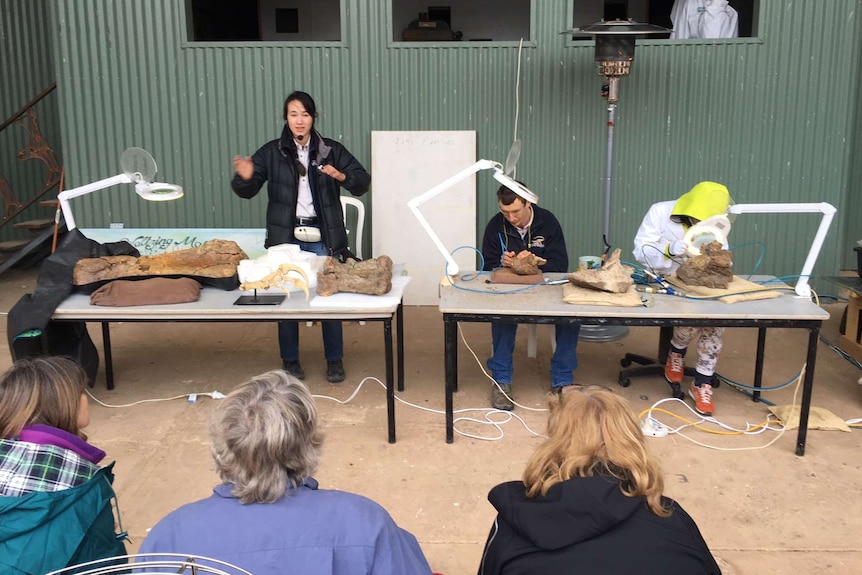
<point>613,276</point>
<point>370,277</point>
<point>280,278</point>
<point>528,265</point>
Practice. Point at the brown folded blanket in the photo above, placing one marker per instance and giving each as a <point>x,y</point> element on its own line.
<point>153,291</point>
<point>507,276</point>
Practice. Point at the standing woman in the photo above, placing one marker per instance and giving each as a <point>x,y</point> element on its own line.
<point>591,500</point>
<point>55,500</point>
<point>305,172</point>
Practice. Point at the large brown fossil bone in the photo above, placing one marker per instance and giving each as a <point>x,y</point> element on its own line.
<point>712,268</point>
<point>372,277</point>
<point>613,276</point>
<point>212,259</point>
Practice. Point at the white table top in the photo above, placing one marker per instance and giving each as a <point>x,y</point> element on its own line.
<point>479,297</point>
<point>215,304</point>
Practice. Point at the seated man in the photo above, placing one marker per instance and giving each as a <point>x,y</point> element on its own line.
<point>269,517</point>
<point>519,229</point>
<point>659,248</point>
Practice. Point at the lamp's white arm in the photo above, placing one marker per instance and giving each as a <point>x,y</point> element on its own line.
<point>452,267</point>
<point>828,210</point>
<point>67,195</point>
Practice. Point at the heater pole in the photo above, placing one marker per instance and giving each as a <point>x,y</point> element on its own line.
<point>609,169</point>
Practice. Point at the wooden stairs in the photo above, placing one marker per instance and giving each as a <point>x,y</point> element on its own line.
<point>27,251</point>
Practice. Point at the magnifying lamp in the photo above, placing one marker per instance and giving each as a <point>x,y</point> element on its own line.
<point>452,268</point>
<point>828,210</point>
<point>139,168</point>
<point>714,229</point>
<point>718,227</point>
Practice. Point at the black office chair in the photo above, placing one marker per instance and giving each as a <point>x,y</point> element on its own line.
<point>651,366</point>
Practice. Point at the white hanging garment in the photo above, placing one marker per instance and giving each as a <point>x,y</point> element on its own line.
<point>684,17</point>
<point>703,19</point>
<point>718,20</point>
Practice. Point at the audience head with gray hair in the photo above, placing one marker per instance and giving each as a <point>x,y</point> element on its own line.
<point>265,437</point>
<point>269,515</point>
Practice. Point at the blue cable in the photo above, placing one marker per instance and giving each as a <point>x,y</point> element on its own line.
<point>759,259</point>
<point>753,388</point>
<point>836,297</point>
<point>841,352</point>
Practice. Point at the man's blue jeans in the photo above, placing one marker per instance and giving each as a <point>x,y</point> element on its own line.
<point>564,362</point>
<point>288,331</point>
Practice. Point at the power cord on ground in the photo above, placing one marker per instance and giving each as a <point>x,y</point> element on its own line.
<point>190,397</point>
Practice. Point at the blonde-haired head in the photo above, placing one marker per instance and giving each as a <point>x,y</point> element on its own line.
<point>592,431</point>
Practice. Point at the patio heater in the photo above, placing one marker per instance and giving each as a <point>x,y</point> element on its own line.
<point>614,55</point>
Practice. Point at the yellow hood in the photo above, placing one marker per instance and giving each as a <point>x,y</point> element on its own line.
<point>703,201</point>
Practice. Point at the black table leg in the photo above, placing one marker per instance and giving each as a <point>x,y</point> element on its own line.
<point>399,326</point>
<point>758,363</point>
<point>109,363</point>
<point>450,353</point>
<point>390,378</point>
<point>807,388</point>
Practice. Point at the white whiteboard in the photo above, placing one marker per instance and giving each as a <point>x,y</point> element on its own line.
<point>403,166</point>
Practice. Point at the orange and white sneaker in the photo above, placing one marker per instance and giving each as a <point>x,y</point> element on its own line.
<point>702,396</point>
<point>674,368</point>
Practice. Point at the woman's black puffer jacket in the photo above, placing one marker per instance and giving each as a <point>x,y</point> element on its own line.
<point>277,163</point>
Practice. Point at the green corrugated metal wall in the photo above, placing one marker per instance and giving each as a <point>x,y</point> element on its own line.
<point>26,67</point>
<point>774,117</point>
<point>853,213</point>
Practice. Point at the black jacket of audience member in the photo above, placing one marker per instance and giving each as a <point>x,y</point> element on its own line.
<point>587,525</point>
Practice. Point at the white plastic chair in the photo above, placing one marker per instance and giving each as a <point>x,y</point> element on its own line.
<point>532,340</point>
<point>360,219</point>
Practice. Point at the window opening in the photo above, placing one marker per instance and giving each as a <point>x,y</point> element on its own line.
<point>264,20</point>
<point>462,21</point>
<point>659,12</point>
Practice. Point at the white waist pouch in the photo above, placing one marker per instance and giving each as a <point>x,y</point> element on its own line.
<point>306,234</point>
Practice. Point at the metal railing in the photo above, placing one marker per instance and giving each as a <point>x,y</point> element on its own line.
<point>36,148</point>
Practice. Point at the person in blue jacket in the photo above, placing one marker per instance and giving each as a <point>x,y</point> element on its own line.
<point>520,228</point>
<point>269,515</point>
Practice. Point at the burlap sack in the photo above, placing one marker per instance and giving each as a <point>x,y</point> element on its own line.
<point>577,295</point>
<point>737,290</point>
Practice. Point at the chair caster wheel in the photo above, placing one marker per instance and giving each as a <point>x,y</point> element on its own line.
<point>676,392</point>
<point>625,362</point>
<point>624,381</point>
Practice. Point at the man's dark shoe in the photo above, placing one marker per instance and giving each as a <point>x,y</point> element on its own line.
<point>334,371</point>
<point>293,368</point>
<point>501,397</point>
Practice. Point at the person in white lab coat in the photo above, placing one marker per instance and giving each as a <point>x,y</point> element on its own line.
<point>703,19</point>
<point>660,248</point>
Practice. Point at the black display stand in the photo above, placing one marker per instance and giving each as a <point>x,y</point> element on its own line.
<point>259,299</point>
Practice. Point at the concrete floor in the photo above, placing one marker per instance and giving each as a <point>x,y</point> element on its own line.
<point>760,510</point>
